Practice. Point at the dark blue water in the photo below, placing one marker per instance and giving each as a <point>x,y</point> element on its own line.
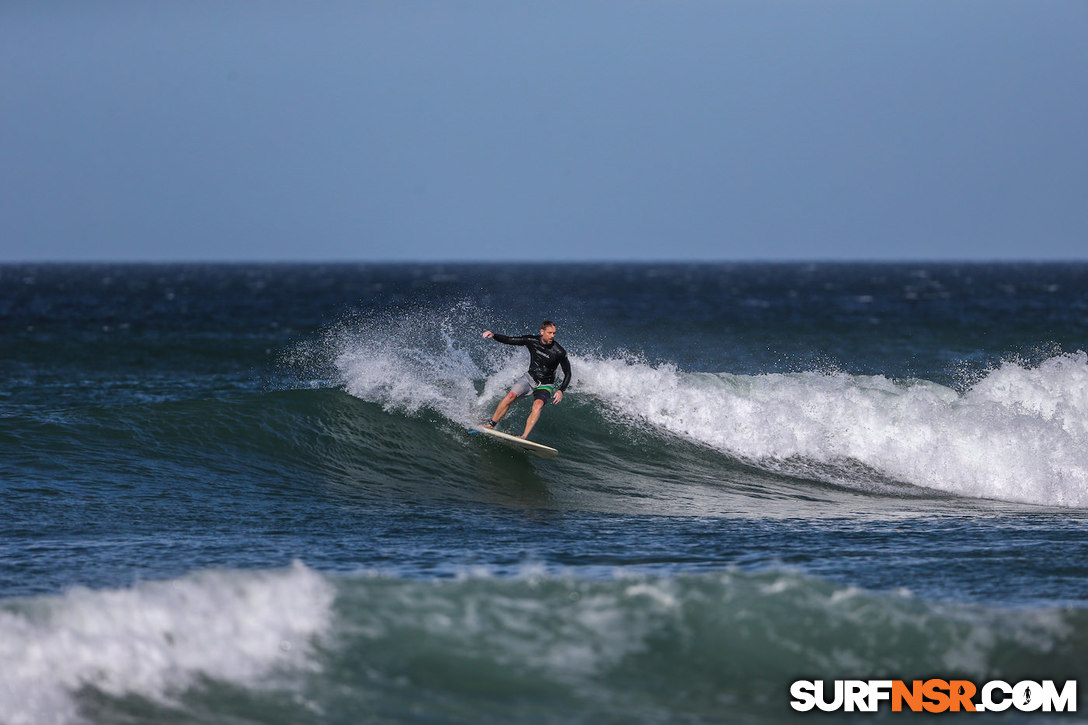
<point>249,492</point>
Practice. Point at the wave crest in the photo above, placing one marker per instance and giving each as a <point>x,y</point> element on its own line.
<point>1019,434</point>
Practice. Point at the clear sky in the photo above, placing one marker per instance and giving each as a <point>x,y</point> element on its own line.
<point>566,130</point>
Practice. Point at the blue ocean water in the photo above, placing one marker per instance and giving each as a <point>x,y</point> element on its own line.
<point>247,493</point>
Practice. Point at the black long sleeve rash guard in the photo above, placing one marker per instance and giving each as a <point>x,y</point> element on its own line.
<point>543,359</point>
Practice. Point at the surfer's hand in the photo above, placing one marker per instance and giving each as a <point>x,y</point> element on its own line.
<point>488,333</point>
<point>557,397</point>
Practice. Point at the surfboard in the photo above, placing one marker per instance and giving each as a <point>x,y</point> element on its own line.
<point>533,449</point>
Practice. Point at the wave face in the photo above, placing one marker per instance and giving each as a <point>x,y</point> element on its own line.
<point>294,646</point>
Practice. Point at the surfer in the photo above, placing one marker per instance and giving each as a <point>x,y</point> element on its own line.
<point>545,355</point>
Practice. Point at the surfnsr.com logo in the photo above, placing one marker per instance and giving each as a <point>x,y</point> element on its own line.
<point>934,696</point>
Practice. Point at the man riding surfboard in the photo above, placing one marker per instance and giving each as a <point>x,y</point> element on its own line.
<point>545,355</point>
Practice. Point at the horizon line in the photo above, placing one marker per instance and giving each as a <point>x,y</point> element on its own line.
<point>530,262</point>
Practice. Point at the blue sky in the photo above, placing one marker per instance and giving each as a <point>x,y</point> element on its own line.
<point>560,131</point>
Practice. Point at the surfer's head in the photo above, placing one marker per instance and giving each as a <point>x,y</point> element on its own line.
<point>547,332</point>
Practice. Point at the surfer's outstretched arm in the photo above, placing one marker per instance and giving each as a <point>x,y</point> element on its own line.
<point>507,340</point>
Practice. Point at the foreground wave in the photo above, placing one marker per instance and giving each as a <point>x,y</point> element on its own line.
<point>297,646</point>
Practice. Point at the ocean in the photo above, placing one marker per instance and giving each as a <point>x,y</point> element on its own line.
<point>248,493</point>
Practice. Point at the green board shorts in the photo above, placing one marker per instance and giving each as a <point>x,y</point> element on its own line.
<point>525,384</point>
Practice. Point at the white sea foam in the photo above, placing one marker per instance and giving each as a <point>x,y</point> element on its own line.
<point>1019,434</point>
<point>155,638</point>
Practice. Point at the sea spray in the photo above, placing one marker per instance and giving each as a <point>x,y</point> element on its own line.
<point>408,360</point>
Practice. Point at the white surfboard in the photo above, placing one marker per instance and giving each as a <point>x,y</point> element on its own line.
<point>533,449</point>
